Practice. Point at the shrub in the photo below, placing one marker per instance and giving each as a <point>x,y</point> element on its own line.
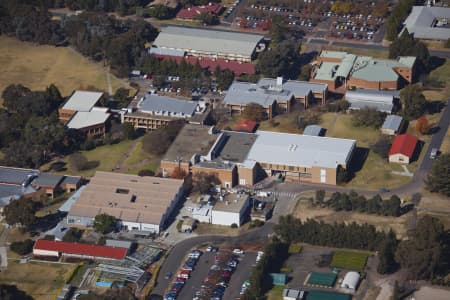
<point>22,247</point>
<point>320,195</point>
<point>368,117</point>
<point>146,172</point>
<point>234,225</point>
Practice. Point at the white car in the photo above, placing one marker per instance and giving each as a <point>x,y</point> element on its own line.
<point>238,251</point>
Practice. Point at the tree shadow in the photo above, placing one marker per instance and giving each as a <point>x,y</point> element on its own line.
<point>92,164</point>
<point>435,62</point>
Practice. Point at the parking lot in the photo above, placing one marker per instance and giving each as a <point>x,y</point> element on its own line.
<point>203,269</point>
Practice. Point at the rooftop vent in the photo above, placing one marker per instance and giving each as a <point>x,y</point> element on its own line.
<point>122,191</point>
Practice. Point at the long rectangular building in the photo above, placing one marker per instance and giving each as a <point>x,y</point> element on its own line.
<point>207,43</point>
<point>139,203</point>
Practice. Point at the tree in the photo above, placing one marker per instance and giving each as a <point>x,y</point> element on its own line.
<point>305,72</point>
<point>22,247</point>
<point>438,180</point>
<point>104,223</point>
<point>146,172</point>
<point>406,45</point>
<point>420,254</point>
<point>368,117</point>
<point>158,141</point>
<point>224,78</point>
<point>413,102</point>
<point>202,182</point>
<point>381,146</point>
<point>386,254</point>
<point>208,19</point>
<point>282,60</point>
<point>306,118</point>
<point>128,131</point>
<point>78,161</point>
<point>422,125</point>
<point>21,211</point>
<point>121,96</point>
<point>255,112</point>
<point>11,292</point>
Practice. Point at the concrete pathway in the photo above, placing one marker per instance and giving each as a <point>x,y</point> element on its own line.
<point>405,172</point>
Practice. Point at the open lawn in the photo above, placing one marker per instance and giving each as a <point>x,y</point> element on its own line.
<point>276,293</point>
<point>357,51</point>
<point>445,148</point>
<point>349,260</point>
<point>443,74</point>
<point>108,156</point>
<point>37,66</point>
<point>340,126</point>
<point>42,281</point>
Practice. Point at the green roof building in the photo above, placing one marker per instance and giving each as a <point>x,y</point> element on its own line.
<point>323,295</point>
<point>322,279</point>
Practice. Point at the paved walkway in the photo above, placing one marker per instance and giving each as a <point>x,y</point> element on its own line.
<point>405,172</point>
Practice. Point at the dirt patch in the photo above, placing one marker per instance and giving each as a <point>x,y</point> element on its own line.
<point>398,224</point>
<point>428,292</point>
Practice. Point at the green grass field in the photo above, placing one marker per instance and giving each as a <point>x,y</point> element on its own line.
<point>355,261</point>
<point>295,248</point>
<point>276,293</point>
<point>108,157</point>
<point>37,66</point>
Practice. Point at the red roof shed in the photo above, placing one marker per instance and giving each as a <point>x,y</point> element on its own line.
<point>81,249</point>
<point>246,125</point>
<point>404,144</point>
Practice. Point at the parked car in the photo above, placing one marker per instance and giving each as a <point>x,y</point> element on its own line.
<point>434,153</point>
<point>238,251</point>
<point>168,275</point>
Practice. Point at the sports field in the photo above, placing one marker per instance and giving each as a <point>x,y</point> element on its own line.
<point>355,261</point>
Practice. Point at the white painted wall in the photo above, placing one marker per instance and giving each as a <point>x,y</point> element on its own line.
<point>225,218</point>
<point>40,252</point>
<point>399,158</point>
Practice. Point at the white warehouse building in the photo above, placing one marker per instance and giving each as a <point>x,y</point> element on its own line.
<point>139,203</point>
<point>351,280</point>
<point>232,209</point>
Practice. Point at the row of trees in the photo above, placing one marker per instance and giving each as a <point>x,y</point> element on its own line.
<point>368,117</point>
<point>438,180</point>
<point>157,142</point>
<point>395,20</point>
<point>354,202</point>
<point>274,256</point>
<point>422,254</point>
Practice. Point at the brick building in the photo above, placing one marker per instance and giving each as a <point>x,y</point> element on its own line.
<point>342,69</point>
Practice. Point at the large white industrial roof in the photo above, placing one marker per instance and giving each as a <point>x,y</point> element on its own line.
<point>214,41</point>
<point>82,100</point>
<point>300,150</point>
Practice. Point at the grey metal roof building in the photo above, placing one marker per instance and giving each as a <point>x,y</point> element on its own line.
<point>48,180</point>
<point>167,106</point>
<point>83,119</point>
<point>379,100</point>
<point>391,124</point>
<point>244,93</point>
<point>314,130</point>
<point>203,42</point>
<point>300,150</point>
<point>269,90</point>
<point>428,22</point>
<point>82,100</point>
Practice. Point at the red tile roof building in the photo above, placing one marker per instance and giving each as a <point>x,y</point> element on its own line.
<point>191,13</point>
<point>56,249</point>
<point>402,149</point>
<point>246,125</point>
<point>237,67</point>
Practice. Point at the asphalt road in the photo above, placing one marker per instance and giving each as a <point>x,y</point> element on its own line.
<point>242,273</point>
<point>438,53</point>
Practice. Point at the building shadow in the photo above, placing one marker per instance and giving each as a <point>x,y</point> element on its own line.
<point>357,162</point>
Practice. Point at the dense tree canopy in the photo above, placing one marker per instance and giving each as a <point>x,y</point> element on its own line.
<point>202,182</point>
<point>421,253</point>
<point>255,112</point>
<point>413,102</point>
<point>406,45</point>
<point>395,20</point>
<point>11,292</point>
<point>368,117</point>
<point>281,60</point>
<point>157,142</point>
<point>438,180</point>
<point>104,223</point>
<point>20,212</point>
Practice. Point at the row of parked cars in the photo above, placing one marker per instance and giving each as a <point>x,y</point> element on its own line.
<point>231,8</point>
<point>219,275</point>
<point>183,275</point>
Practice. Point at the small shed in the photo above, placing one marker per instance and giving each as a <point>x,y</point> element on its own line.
<point>246,125</point>
<point>278,278</point>
<point>351,280</point>
<point>314,130</point>
<point>293,294</point>
<point>392,125</point>
<point>188,224</point>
